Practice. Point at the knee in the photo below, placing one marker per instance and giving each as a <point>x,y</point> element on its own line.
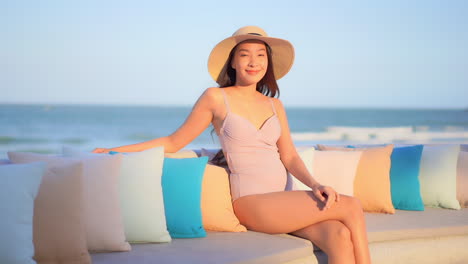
<point>340,234</point>
<point>355,209</point>
<point>338,243</point>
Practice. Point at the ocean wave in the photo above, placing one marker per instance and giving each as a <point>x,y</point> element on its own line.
<point>140,137</point>
<point>7,140</point>
<point>74,141</point>
<point>384,134</point>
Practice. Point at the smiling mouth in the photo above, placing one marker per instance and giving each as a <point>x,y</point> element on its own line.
<point>252,72</point>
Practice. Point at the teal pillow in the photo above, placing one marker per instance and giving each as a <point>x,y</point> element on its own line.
<point>182,183</point>
<point>404,177</point>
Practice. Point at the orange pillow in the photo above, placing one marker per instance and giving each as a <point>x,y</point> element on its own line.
<point>216,204</point>
<point>372,182</point>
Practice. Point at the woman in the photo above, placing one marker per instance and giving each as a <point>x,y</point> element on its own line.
<point>255,138</point>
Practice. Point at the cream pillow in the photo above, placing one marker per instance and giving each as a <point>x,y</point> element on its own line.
<point>103,217</point>
<point>462,178</point>
<point>19,188</point>
<point>438,176</point>
<point>141,196</point>
<point>307,156</point>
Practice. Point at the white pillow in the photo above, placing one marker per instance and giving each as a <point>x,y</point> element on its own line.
<point>462,179</point>
<point>438,176</point>
<point>102,213</point>
<point>335,168</point>
<point>307,156</point>
<point>141,195</point>
<point>18,189</point>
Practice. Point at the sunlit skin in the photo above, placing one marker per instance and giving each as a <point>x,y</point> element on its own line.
<point>333,222</point>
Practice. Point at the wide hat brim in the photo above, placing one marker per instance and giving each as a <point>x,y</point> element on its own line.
<point>282,54</point>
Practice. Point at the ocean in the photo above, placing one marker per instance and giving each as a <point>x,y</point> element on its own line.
<point>46,128</point>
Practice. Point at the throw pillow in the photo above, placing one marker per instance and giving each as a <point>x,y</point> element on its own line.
<point>307,156</point>
<point>337,169</point>
<point>182,183</point>
<point>216,204</point>
<point>462,178</point>
<point>438,176</point>
<point>102,213</point>
<point>59,227</point>
<point>19,188</point>
<point>326,171</point>
<point>372,182</point>
<point>404,177</point>
<point>141,197</point>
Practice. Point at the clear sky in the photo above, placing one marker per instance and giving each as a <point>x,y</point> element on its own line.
<point>348,53</point>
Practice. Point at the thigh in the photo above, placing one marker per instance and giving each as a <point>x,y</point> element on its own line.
<point>288,211</point>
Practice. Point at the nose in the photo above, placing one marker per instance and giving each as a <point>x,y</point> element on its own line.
<point>253,62</point>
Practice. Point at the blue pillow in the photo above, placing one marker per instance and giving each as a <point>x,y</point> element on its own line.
<point>182,183</point>
<point>404,178</point>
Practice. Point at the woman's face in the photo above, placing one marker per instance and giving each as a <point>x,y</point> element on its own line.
<point>250,61</point>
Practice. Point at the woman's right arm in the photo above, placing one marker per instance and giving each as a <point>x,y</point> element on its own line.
<point>198,120</point>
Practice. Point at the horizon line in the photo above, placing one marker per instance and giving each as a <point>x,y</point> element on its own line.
<point>190,105</point>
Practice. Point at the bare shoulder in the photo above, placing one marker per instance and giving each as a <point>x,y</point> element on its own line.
<point>211,96</point>
<point>278,104</point>
<point>210,92</point>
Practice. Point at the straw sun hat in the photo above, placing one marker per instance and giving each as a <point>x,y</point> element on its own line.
<point>282,51</point>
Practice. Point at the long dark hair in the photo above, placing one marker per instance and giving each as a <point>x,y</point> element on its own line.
<point>267,85</point>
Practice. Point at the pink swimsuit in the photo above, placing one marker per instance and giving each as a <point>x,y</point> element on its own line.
<point>252,155</point>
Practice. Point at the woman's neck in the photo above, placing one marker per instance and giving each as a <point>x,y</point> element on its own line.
<point>248,91</point>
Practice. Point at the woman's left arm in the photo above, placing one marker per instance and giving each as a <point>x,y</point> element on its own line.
<point>288,152</point>
<point>293,162</point>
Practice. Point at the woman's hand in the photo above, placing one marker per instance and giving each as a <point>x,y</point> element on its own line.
<point>101,150</point>
<point>327,195</point>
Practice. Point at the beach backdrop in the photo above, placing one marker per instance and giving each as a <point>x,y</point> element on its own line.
<point>46,128</point>
<point>108,73</point>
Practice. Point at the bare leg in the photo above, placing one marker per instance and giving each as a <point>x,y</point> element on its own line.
<point>333,237</point>
<point>287,212</point>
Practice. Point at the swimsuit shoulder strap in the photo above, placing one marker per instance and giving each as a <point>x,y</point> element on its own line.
<point>225,99</point>
<point>272,106</point>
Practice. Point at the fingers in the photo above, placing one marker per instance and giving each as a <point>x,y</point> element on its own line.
<point>318,193</point>
<point>97,150</point>
<point>327,195</point>
<point>100,150</point>
<point>330,200</point>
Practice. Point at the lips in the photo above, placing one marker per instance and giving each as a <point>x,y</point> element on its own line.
<point>252,72</point>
